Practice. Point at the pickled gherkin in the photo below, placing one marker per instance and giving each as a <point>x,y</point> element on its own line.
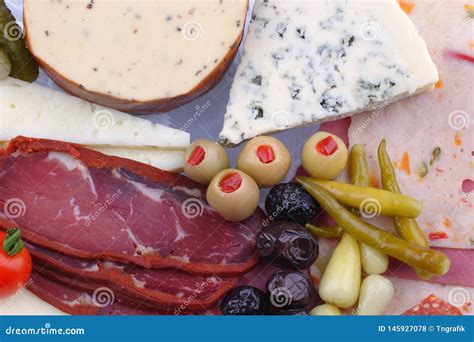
<point>23,65</point>
<point>373,261</point>
<point>414,255</point>
<point>5,65</point>
<point>407,228</point>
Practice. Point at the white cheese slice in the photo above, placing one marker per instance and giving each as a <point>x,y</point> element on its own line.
<point>167,160</point>
<point>135,55</point>
<point>34,111</point>
<point>306,62</point>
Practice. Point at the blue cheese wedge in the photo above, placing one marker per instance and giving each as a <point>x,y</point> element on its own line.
<point>306,62</point>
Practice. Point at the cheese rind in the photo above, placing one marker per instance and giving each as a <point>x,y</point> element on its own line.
<point>34,111</point>
<point>135,56</point>
<point>314,61</point>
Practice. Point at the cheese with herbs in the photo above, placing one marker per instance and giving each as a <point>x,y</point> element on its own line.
<point>306,62</point>
<point>135,55</point>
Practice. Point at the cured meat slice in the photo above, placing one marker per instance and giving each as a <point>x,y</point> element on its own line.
<point>88,205</point>
<point>163,288</point>
<point>77,296</point>
<point>433,305</point>
<point>411,293</point>
<point>102,296</point>
<point>64,298</point>
<point>77,302</point>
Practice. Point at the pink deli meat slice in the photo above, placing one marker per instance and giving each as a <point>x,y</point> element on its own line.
<point>430,137</point>
<point>88,205</point>
<point>415,297</point>
<point>460,272</point>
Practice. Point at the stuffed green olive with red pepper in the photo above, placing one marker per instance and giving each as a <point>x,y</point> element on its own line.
<point>203,159</point>
<point>324,155</point>
<point>233,194</point>
<point>266,160</point>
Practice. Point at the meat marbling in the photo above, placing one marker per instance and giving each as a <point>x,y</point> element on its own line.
<point>79,302</point>
<point>166,289</point>
<point>88,205</point>
<point>79,297</point>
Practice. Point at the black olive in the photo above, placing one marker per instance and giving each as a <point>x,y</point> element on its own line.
<point>287,245</point>
<point>296,312</point>
<point>244,300</point>
<point>289,290</point>
<point>290,202</point>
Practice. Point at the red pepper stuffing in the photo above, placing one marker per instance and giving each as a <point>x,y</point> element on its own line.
<point>230,183</point>
<point>266,154</point>
<point>327,146</point>
<point>437,236</point>
<point>197,156</point>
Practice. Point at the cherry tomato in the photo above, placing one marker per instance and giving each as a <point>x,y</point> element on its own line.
<point>15,263</point>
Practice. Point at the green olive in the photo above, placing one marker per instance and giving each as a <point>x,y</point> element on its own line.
<point>324,155</point>
<point>233,194</point>
<point>266,160</point>
<point>203,159</point>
